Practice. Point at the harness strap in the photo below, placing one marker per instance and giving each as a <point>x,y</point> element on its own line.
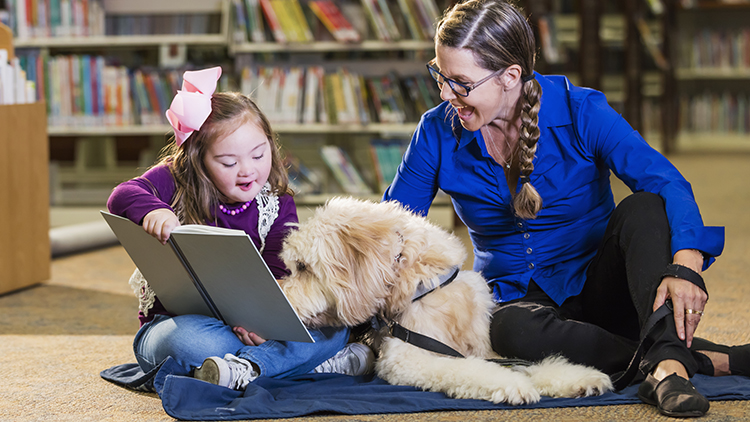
<point>422,341</point>
<point>443,280</point>
<point>628,375</point>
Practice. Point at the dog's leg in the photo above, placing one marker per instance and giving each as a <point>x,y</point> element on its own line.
<point>556,377</point>
<point>470,378</point>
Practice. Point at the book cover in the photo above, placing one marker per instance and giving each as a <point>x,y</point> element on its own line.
<point>343,170</point>
<point>310,102</point>
<point>334,20</point>
<point>376,20</point>
<point>212,271</point>
<point>273,21</point>
<point>255,27</point>
<point>240,33</point>
<point>298,17</point>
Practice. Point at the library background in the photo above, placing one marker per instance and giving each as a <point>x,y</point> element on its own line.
<point>343,82</point>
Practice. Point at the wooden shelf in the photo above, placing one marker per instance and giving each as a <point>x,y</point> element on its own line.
<point>713,73</point>
<point>713,141</point>
<point>611,34</point>
<point>123,41</point>
<point>328,46</point>
<point>317,128</point>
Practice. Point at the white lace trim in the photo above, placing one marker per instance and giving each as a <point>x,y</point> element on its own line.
<point>143,292</point>
<point>268,212</point>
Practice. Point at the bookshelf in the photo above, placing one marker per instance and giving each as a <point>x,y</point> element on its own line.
<point>24,200</point>
<point>605,45</point>
<point>712,71</point>
<point>97,151</point>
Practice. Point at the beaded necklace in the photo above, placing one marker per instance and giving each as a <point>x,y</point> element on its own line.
<point>235,211</point>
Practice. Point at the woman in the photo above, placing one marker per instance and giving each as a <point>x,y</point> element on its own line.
<point>526,160</point>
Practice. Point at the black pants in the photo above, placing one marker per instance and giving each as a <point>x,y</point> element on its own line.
<point>601,327</point>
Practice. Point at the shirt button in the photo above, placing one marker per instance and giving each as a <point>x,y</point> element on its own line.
<point>529,250</point>
<point>526,235</point>
<point>531,265</point>
<point>520,225</point>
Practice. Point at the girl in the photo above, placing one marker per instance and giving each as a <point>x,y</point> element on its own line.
<point>223,169</point>
<point>527,160</point>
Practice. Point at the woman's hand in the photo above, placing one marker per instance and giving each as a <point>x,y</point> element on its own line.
<point>160,223</point>
<point>248,338</point>
<point>684,295</point>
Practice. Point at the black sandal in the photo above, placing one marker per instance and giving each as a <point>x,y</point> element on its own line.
<point>739,356</point>
<point>674,396</point>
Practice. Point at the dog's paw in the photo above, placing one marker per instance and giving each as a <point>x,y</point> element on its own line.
<point>515,395</point>
<point>556,377</point>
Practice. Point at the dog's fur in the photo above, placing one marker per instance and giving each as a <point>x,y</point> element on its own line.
<point>355,259</point>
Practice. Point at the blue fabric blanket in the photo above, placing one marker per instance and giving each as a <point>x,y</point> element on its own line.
<point>186,398</point>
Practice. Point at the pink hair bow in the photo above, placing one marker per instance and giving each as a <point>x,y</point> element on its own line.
<point>192,104</point>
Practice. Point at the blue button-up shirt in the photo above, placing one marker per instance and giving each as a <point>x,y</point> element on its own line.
<point>571,173</point>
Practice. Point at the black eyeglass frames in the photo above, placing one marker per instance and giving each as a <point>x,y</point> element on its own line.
<point>460,89</point>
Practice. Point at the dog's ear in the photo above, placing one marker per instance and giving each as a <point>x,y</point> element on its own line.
<point>365,270</point>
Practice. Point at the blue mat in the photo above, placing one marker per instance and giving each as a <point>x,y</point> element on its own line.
<point>186,398</point>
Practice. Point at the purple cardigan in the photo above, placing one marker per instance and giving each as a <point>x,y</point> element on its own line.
<point>137,197</point>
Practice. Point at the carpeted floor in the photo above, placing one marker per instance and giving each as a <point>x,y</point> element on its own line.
<point>56,337</point>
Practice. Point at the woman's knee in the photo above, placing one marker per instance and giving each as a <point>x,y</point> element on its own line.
<point>516,330</point>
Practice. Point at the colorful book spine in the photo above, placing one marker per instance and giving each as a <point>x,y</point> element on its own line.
<point>273,21</point>
<point>334,20</point>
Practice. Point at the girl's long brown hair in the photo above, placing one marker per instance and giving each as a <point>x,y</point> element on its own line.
<point>196,197</point>
<point>499,36</point>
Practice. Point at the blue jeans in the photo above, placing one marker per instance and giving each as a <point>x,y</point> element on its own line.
<point>190,339</point>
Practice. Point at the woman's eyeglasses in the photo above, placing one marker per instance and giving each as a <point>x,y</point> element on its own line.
<point>460,89</point>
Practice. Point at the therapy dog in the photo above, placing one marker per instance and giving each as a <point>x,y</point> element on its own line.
<point>355,260</point>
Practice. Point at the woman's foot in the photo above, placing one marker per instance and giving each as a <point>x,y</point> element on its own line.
<point>674,396</point>
<point>669,389</point>
<point>724,360</point>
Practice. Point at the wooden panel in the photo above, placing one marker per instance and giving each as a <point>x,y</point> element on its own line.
<point>24,196</point>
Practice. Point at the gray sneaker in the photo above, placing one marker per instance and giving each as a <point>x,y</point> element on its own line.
<point>231,372</point>
<point>354,359</point>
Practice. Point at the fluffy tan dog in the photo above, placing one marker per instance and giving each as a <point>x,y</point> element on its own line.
<point>354,260</point>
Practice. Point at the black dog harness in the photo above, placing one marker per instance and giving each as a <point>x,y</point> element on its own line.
<point>428,343</point>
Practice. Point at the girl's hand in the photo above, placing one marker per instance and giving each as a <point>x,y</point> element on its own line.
<point>160,223</point>
<point>248,338</point>
<point>684,295</point>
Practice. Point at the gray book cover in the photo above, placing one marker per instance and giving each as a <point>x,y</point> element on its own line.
<point>212,271</point>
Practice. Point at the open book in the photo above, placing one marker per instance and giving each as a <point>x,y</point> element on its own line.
<point>212,271</point>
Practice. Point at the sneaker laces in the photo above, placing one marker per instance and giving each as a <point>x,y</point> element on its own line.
<point>354,359</point>
<point>241,372</point>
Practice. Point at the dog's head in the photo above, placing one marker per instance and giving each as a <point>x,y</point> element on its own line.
<point>354,259</point>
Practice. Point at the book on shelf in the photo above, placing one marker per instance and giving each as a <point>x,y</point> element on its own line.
<point>255,26</point>
<point>303,179</point>
<point>381,20</point>
<point>292,23</point>
<point>334,20</point>
<point>212,271</point>
<point>723,112</point>
<point>49,18</point>
<point>412,24</point>
<point>273,21</point>
<point>241,29</point>
<point>427,14</point>
<point>548,38</point>
<point>343,170</point>
<point>311,103</point>
<point>386,156</point>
